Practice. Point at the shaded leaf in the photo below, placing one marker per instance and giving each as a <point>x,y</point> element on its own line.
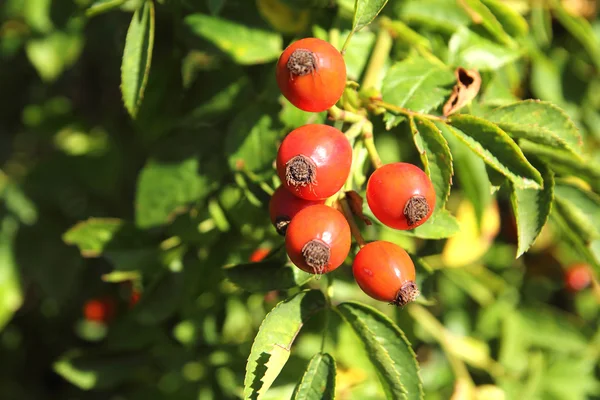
<point>532,208</point>
<point>468,83</point>
<point>471,172</point>
<point>571,236</point>
<point>365,12</point>
<point>388,349</point>
<point>435,156</point>
<point>355,201</point>
<point>98,371</point>
<point>540,122</point>
<point>10,285</point>
<point>511,21</point>
<point>441,14</point>
<point>581,207</point>
<point>496,148</point>
<point>271,347</point>
<point>318,381</point>
<point>137,57</point>
<point>243,44</point>
<point>267,275</point>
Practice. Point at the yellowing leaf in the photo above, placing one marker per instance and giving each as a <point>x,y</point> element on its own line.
<point>470,243</point>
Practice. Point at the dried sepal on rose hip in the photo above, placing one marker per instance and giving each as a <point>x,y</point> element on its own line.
<point>318,239</point>
<point>385,272</point>
<point>311,74</point>
<point>314,161</point>
<point>284,206</point>
<point>401,195</point>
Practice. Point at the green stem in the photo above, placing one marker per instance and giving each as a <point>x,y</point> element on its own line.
<point>103,7</point>
<point>355,130</point>
<point>430,323</point>
<point>354,229</point>
<point>381,52</point>
<point>328,309</point>
<point>406,111</point>
<point>370,145</point>
<point>337,114</point>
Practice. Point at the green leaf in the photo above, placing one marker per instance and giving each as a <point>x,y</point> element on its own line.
<point>11,296</point>
<point>435,156</point>
<point>440,14</point>
<point>251,142</point>
<point>388,349</point>
<point>540,122</point>
<point>272,345</point>
<point>163,297</point>
<point>565,162</point>
<point>532,208</point>
<point>52,54</point>
<point>267,275</point>
<point>137,57</point>
<point>581,207</point>
<point>496,148</point>
<point>541,326</point>
<point>415,84</point>
<point>469,50</point>
<point>488,20</point>
<point>243,44</point>
<point>471,172</point>
<point>98,371</point>
<point>510,20</point>
<point>441,225</point>
<point>573,237</point>
<point>318,381</point>
<point>365,12</point>
<point>93,235</point>
<point>581,30</point>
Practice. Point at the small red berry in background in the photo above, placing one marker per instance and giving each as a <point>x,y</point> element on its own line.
<point>284,206</point>
<point>259,254</point>
<point>318,239</point>
<point>400,195</point>
<point>314,161</point>
<point>577,277</point>
<point>99,310</point>
<point>385,272</point>
<point>134,298</point>
<point>311,74</point>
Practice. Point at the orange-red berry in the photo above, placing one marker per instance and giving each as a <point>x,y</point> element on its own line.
<point>284,206</point>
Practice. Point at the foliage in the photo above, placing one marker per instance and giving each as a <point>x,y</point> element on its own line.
<point>137,148</point>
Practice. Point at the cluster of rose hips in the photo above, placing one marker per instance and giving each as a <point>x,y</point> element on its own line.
<point>314,162</point>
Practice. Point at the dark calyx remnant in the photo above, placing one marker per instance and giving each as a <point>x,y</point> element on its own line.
<point>302,62</point>
<point>301,171</point>
<point>281,224</point>
<point>316,253</point>
<point>407,293</point>
<point>416,209</point>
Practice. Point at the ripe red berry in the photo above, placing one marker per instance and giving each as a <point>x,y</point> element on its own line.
<point>311,74</point>
<point>314,161</point>
<point>400,195</point>
<point>318,239</point>
<point>385,272</point>
<point>284,206</point>
<point>578,277</point>
<point>99,310</point>
<point>259,254</point>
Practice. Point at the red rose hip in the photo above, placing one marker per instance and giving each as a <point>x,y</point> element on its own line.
<point>311,74</point>
<point>314,161</point>
<point>578,277</point>
<point>318,239</point>
<point>385,272</point>
<point>284,206</point>
<point>99,310</point>
<point>400,195</point>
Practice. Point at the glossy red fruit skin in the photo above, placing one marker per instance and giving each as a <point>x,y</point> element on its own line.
<point>259,254</point>
<point>578,277</point>
<point>328,148</point>
<point>319,90</point>
<point>381,268</point>
<point>323,223</point>
<point>284,204</point>
<point>99,310</point>
<point>389,189</point>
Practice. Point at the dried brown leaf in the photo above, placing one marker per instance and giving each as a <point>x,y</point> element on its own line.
<point>356,205</point>
<point>468,83</point>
